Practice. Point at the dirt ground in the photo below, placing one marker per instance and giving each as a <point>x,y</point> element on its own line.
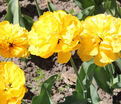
<point>38,69</point>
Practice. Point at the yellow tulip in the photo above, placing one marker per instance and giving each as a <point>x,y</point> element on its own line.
<point>12,83</point>
<point>13,40</point>
<point>55,32</point>
<point>100,39</point>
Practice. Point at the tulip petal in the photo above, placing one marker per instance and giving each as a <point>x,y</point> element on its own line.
<point>64,57</point>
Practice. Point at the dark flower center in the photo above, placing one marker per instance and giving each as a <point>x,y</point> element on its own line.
<point>10,44</point>
<point>100,40</point>
<point>8,86</point>
<point>59,41</point>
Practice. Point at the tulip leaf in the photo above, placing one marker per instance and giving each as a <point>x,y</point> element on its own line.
<point>51,7</point>
<point>110,69</point>
<point>116,85</point>
<point>98,2</point>
<point>94,95</point>
<point>28,21</point>
<point>72,11</point>
<point>110,6</point>
<point>82,14</point>
<point>14,13</point>
<point>86,75</point>
<point>82,76</point>
<point>45,95</point>
<point>117,82</point>
<point>118,62</point>
<point>118,12</point>
<point>75,98</point>
<point>79,15</point>
<point>78,3</point>
<point>7,1</point>
<point>102,78</point>
<point>99,7</point>
<point>84,3</point>
<point>23,102</point>
<point>37,6</point>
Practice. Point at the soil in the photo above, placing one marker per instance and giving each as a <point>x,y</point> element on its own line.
<point>37,69</point>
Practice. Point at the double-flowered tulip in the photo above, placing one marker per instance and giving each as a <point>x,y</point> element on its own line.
<point>13,40</point>
<point>12,83</point>
<point>55,32</point>
<point>100,39</point>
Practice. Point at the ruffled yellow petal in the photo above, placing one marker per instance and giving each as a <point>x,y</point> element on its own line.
<point>54,32</point>
<point>3,98</point>
<point>42,46</point>
<point>107,53</point>
<point>19,52</point>
<point>116,43</point>
<point>12,37</point>
<point>84,57</point>
<point>89,47</point>
<point>100,39</point>
<point>64,57</point>
<point>12,82</point>
<point>97,61</point>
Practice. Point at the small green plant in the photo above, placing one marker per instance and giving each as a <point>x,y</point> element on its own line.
<point>58,77</point>
<point>61,89</point>
<point>40,75</point>
<point>25,59</point>
<point>34,89</point>
<point>39,78</point>
<point>23,102</point>
<point>68,86</point>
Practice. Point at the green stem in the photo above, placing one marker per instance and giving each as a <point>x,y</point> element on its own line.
<point>75,69</point>
<point>37,6</point>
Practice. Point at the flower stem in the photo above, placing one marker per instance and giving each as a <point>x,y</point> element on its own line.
<point>38,9</point>
<point>76,72</point>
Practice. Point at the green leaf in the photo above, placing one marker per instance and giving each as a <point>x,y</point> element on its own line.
<point>45,95</point>
<point>72,11</point>
<point>37,6</point>
<point>117,82</point>
<point>13,13</point>
<point>102,78</point>
<point>75,98</point>
<point>86,76</point>
<point>94,95</point>
<point>7,1</point>
<point>118,10</point>
<point>77,2</point>
<point>99,8</point>
<point>79,15</point>
<point>28,21</point>
<point>82,76</point>
<point>98,2</point>
<point>110,7</point>
<point>23,102</point>
<point>117,85</point>
<point>110,69</point>
<point>84,3</point>
<point>82,14</point>
<point>118,62</point>
<point>51,7</point>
